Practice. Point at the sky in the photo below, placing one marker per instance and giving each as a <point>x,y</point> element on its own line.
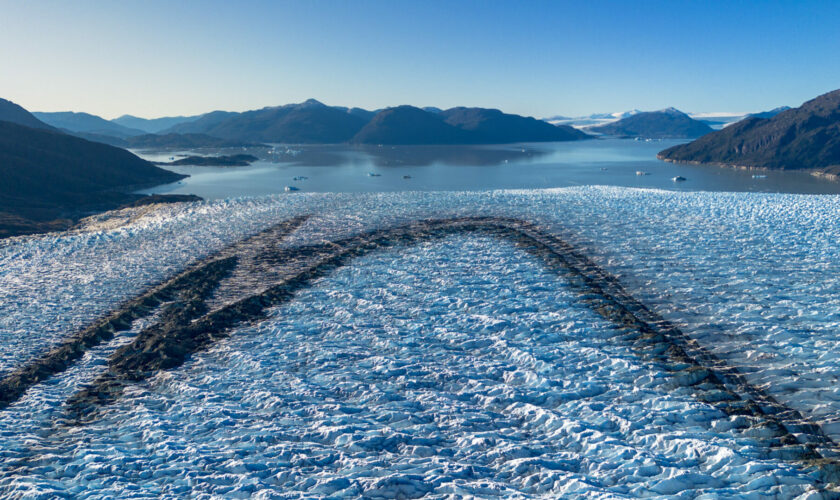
<point>540,58</point>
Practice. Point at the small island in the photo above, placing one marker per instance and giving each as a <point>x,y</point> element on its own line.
<point>242,160</point>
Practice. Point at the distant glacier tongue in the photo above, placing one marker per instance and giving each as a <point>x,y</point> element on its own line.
<point>455,366</point>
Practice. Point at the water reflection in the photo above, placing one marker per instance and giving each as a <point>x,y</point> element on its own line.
<point>345,168</point>
<point>419,156</point>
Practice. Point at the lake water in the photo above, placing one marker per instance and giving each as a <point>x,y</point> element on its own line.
<point>613,162</point>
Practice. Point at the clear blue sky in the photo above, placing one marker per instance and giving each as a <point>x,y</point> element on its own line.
<point>154,58</point>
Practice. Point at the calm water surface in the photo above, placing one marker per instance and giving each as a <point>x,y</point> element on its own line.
<point>455,168</point>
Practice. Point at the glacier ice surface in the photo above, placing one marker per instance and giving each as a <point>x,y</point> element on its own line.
<point>455,367</point>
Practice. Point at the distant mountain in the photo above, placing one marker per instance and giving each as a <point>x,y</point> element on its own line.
<point>85,123</point>
<point>410,125</point>
<point>310,122</point>
<point>668,123</point>
<point>50,178</point>
<point>11,112</point>
<point>153,125</point>
<point>807,137</point>
<point>769,114</point>
<point>491,126</point>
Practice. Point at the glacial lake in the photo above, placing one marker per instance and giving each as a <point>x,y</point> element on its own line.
<point>343,169</point>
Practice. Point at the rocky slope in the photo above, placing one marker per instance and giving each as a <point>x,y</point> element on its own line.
<point>11,112</point>
<point>51,178</point>
<point>807,137</point>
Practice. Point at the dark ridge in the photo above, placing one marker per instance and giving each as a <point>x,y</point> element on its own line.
<point>214,161</point>
<point>187,327</point>
<point>39,162</point>
<point>51,179</point>
<point>187,291</point>
<point>11,112</point>
<point>807,137</point>
<point>666,124</point>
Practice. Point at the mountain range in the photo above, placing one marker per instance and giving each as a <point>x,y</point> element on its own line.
<point>807,137</point>
<point>668,123</point>
<point>312,122</point>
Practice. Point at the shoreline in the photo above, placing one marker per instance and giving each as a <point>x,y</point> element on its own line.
<point>733,166</point>
<point>78,221</point>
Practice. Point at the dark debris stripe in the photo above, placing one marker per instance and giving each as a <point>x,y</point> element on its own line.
<point>187,290</point>
<point>186,327</point>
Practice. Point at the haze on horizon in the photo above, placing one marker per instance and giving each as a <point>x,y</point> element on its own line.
<point>155,58</point>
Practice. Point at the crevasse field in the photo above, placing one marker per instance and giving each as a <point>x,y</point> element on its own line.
<point>454,367</point>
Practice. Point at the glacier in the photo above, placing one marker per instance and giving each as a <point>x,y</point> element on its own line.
<point>457,367</point>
